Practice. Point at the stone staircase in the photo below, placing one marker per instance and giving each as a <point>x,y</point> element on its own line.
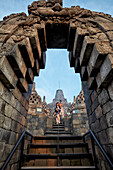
<point>58,150</point>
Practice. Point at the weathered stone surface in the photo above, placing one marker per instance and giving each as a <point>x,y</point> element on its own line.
<point>106,71</point>
<point>103,137</point>
<point>7,123</point>
<point>71,37</point>
<point>7,75</point>
<point>107,107</point>
<point>92,83</point>
<point>86,50</point>
<point>12,139</point>
<point>22,85</point>
<point>26,52</point>
<point>71,59</point>
<point>109,132</point>
<point>100,50</point>
<point>8,110</point>
<point>35,44</point>
<point>84,73</point>
<point>2,118</point>
<point>110,90</point>
<point>109,118</point>
<point>4,135</point>
<point>79,36</point>
<point>98,112</point>
<point>103,97</point>
<point>16,61</point>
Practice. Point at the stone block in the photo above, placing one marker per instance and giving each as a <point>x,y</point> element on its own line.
<point>107,26</point>
<point>109,118</point>
<point>109,132</point>
<point>75,162</point>
<point>103,137</point>
<point>29,76</point>
<point>36,68</point>
<point>26,52</point>
<point>107,107</point>
<point>95,104</point>
<point>40,162</point>
<point>110,34</point>
<point>68,150</point>
<point>22,85</point>
<point>2,147</point>
<point>65,162</point>
<point>72,30</point>
<point>8,110</point>
<point>84,73</point>
<point>14,126</point>
<point>7,123</point>
<point>35,44</point>
<point>2,106</point>
<point>103,122</point>
<point>6,152</point>
<point>16,61</point>
<point>86,50</point>
<point>2,118</point>
<point>106,71</point>
<point>92,84</point>
<point>42,61</point>
<point>103,97</point>
<point>15,115</point>
<point>42,36</point>
<point>12,139</point>
<point>110,90</point>
<point>79,36</point>
<point>100,51</point>
<point>98,112</point>
<point>4,135</point>
<point>7,75</point>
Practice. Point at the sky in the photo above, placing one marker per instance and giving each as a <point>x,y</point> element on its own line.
<point>57,62</point>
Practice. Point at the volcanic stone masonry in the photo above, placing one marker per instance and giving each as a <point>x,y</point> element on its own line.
<point>37,114</point>
<point>88,36</point>
<point>40,114</point>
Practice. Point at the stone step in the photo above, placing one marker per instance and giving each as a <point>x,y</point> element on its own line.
<point>60,168</point>
<point>68,159</point>
<point>61,132</point>
<point>58,128</point>
<point>53,139</point>
<point>60,155</point>
<point>61,145</point>
<point>63,148</point>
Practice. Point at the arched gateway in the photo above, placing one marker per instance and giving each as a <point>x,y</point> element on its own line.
<point>88,36</point>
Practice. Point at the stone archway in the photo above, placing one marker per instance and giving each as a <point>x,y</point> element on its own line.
<point>88,36</point>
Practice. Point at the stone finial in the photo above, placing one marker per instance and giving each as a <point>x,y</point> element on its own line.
<point>33,89</point>
<point>74,98</point>
<point>43,98</point>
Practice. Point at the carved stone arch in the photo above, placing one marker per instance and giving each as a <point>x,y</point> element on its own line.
<point>88,36</point>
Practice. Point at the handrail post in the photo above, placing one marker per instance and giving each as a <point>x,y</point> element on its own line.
<point>21,155</point>
<point>94,151</point>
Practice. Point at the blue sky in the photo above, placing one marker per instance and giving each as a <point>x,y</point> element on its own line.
<point>57,62</point>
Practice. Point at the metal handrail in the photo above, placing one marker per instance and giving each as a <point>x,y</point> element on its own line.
<point>14,149</point>
<point>100,146</point>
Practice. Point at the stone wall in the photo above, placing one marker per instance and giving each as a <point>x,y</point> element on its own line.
<point>79,115</point>
<point>13,111</point>
<point>37,114</point>
<point>88,36</point>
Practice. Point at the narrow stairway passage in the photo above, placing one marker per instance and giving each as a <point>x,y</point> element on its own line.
<point>58,150</point>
